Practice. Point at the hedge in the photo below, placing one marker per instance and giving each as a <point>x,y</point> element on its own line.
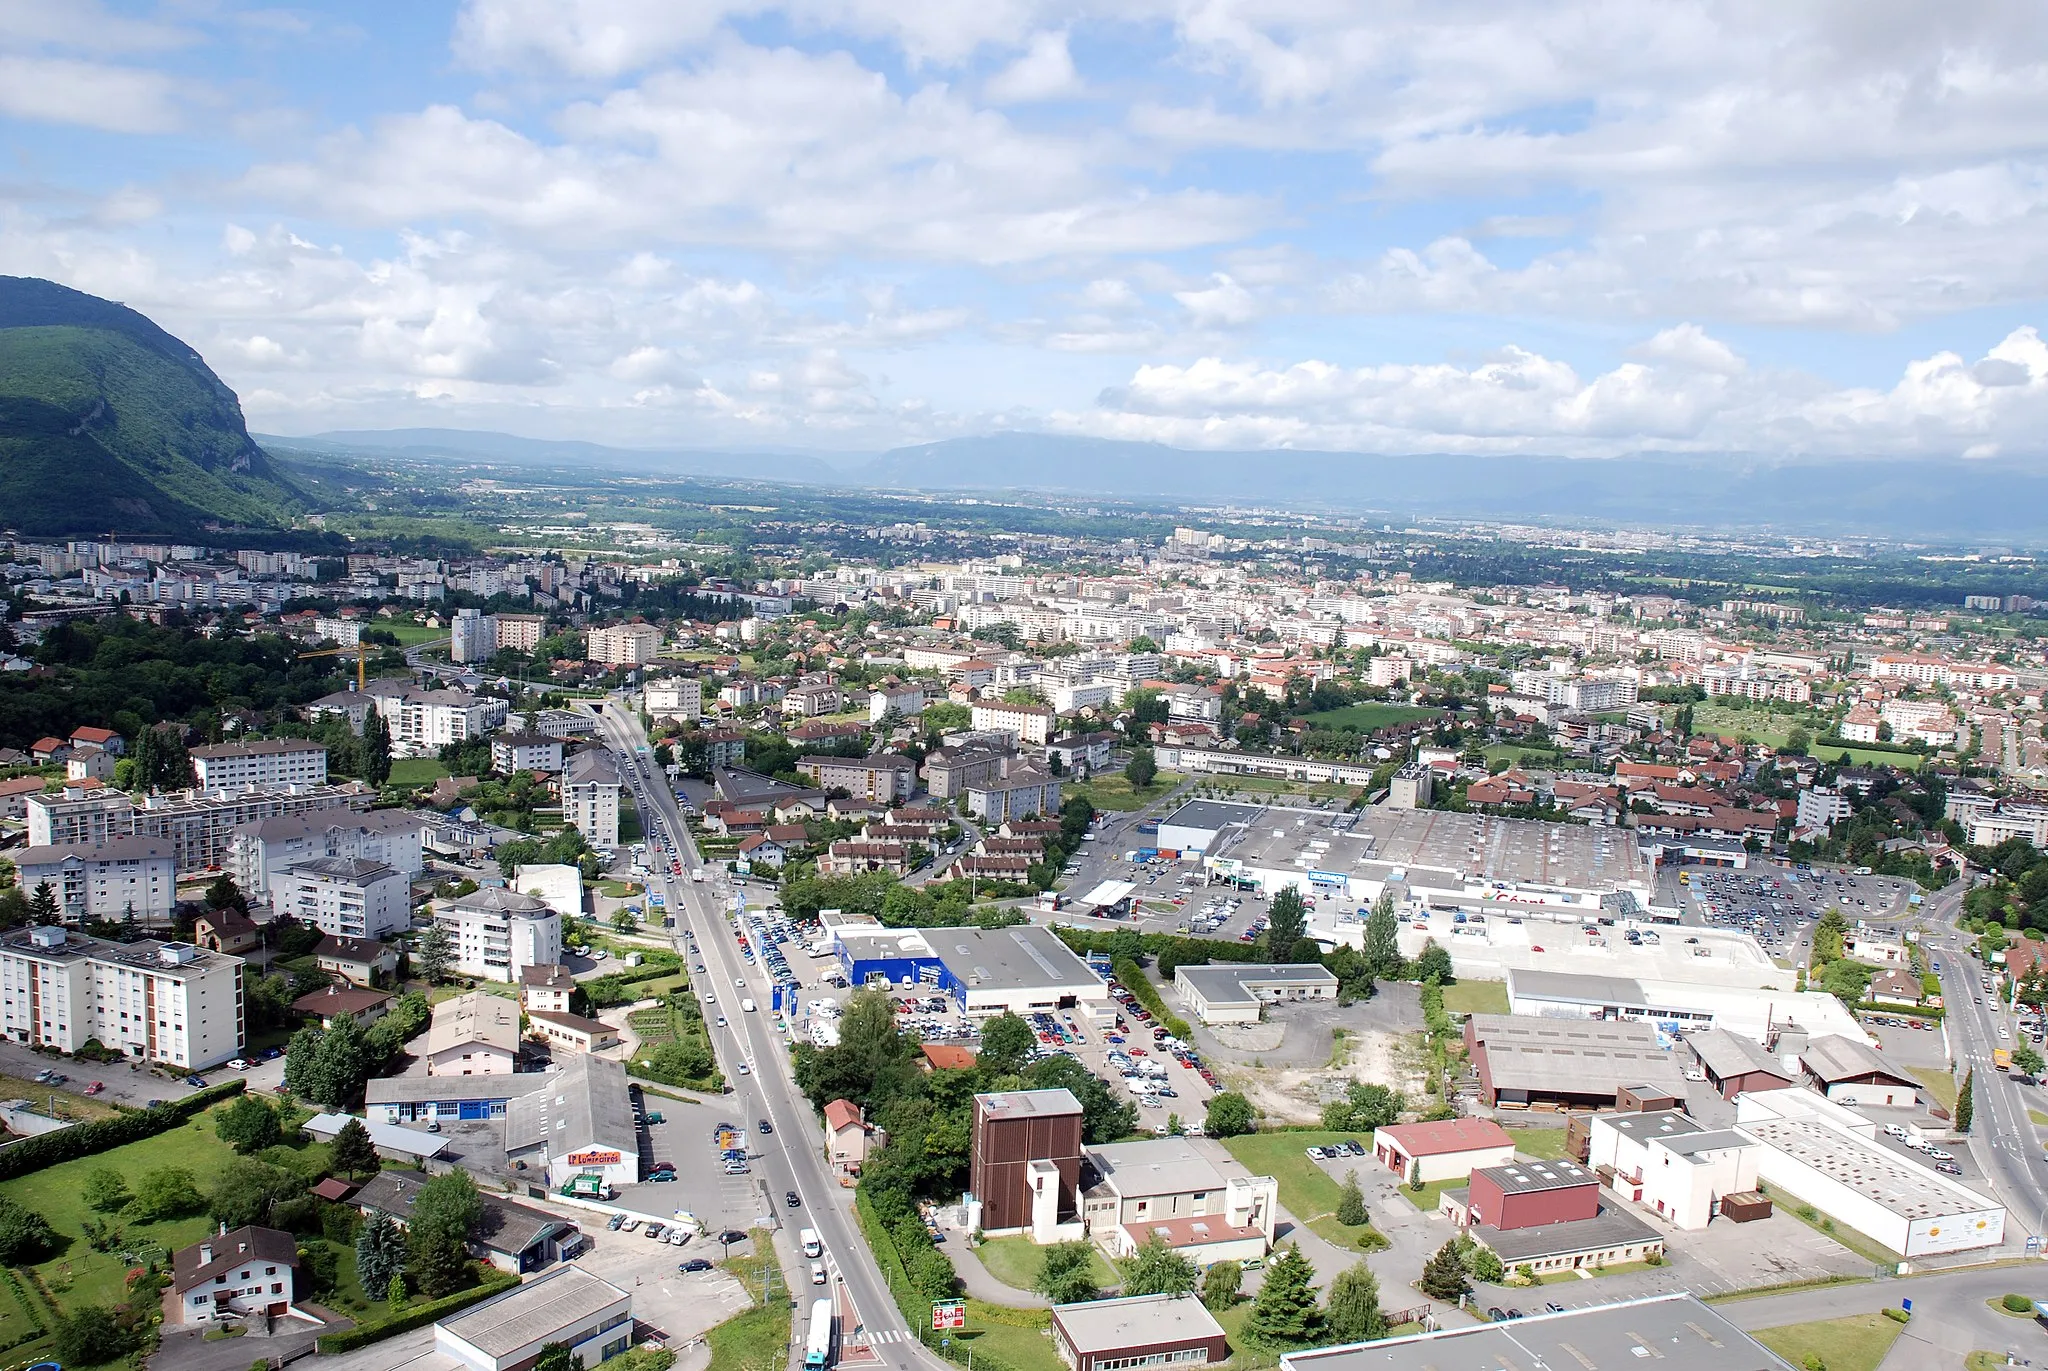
<point>913,1306</point>
<point>1134,980</point>
<point>100,1135</point>
<point>419,1316</point>
<point>1916,1011</point>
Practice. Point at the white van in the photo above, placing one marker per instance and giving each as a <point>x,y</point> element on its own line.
<point>808,1238</point>
<point>747,1005</point>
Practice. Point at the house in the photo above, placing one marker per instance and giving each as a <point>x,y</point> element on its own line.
<point>48,750</point>
<point>361,961</point>
<point>851,856</point>
<point>334,1003</point>
<point>761,850</point>
<point>846,1137</point>
<point>14,796</point>
<point>1894,986</point>
<point>245,1271</point>
<point>1736,1064</point>
<point>945,1057</point>
<point>1164,1188</point>
<point>513,1237</point>
<point>89,764</point>
<point>572,1032</point>
<point>227,930</point>
<point>1852,1073</point>
<point>473,1035</point>
<point>1443,1150</point>
<point>547,989</point>
<point>108,741</point>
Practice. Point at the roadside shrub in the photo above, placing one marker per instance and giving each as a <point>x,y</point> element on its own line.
<point>2017,1304</point>
<point>1896,1315</point>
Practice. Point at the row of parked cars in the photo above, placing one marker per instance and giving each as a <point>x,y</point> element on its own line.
<point>1337,1151</point>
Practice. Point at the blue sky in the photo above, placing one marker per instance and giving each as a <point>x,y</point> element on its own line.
<point>1583,228</point>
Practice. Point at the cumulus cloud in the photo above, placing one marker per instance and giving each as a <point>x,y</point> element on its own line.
<point>1044,72</point>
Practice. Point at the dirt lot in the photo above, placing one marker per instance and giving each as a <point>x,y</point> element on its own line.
<point>1304,1056</point>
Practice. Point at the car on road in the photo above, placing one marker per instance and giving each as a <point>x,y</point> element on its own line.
<point>742,1069</point>
<point>1948,1168</point>
<point>792,1199</point>
<point>767,1127</point>
<point>96,1087</point>
<point>694,1264</point>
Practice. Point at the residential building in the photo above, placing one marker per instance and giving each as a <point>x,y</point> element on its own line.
<point>425,721</point>
<point>154,1001</point>
<point>949,771</point>
<point>244,1272</point>
<point>1163,1187</point>
<point>1028,723</point>
<point>1023,791</point>
<point>473,1035</point>
<point>14,795</point>
<point>351,705</point>
<point>226,930</point>
<point>336,1003</point>
<point>590,796</point>
<point>359,961</point>
<point>547,989</point>
<point>1850,1071</point>
<point>260,852</point>
<point>568,1305</point>
<point>200,824</point>
<point>1822,808</point>
<point>519,632</point>
<point>497,933</point>
<point>1024,1167</point>
<point>1140,1331</point>
<point>846,1137</point>
<point>676,697</point>
<point>82,813</point>
<point>346,897</point>
<point>623,645</point>
<point>884,778</point>
<point>538,752</point>
<point>122,878</point>
<point>573,1032</point>
<point>472,636</point>
<point>907,699</point>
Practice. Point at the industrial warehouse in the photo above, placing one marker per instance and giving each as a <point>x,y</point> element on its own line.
<point>1018,970</point>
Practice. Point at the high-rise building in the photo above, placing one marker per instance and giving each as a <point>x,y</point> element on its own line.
<point>472,636</point>
<point>590,796</point>
<point>153,1001</point>
<point>623,645</point>
<point>270,761</point>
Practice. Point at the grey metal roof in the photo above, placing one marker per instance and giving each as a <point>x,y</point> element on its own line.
<point>1010,958</point>
<point>582,1105</point>
<point>1726,1054</point>
<point>1573,987</point>
<point>1211,815</point>
<point>419,1088</point>
<point>1572,1056</point>
<point>1137,1321</point>
<point>1609,1228</point>
<point>1233,982</point>
<point>1520,1177</point>
<point>1671,1332</point>
<point>1692,1144</point>
<point>1834,1057</point>
<point>1017,1104</point>
<point>591,766</point>
<point>532,1312</point>
<point>1159,1166</point>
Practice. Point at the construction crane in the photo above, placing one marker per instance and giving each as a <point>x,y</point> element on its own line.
<point>362,658</point>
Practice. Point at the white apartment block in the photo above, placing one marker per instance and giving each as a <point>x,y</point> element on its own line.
<point>512,752</point>
<point>676,697</point>
<point>346,897</point>
<point>497,934</point>
<point>154,1001</point>
<point>199,824</point>
<point>340,632</point>
<point>1823,809</point>
<point>280,761</point>
<point>623,645</point>
<point>1030,723</point>
<point>117,879</point>
<point>79,815</point>
<point>520,632</point>
<point>260,853</point>
<point>590,797</point>
<point>472,636</point>
<point>428,720</point>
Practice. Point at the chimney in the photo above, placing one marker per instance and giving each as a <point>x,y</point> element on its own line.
<point>205,1253</point>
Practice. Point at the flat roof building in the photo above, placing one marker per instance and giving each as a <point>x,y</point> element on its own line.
<point>278,761</point>
<point>1678,1006</point>
<point>1196,825</point>
<point>986,971</point>
<point>1024,1166</point>
<point>1236,992</point>
<point>567,1305</point>
<point>1526,1060</point>
<point>153,1001</point>
<point>1140,1331</point>
<point>1165,1188</point>
<point>1681,1333</point>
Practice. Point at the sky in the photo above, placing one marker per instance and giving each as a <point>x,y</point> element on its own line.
<point>1589,228</point>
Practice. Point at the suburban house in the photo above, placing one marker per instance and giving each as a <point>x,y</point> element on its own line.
<point>362,961</point>
<point>247,1271</point>
<point>336,1003</point>
<point>473,1035</point>
<point>846,1137</point>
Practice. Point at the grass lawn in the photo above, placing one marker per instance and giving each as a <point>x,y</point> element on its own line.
<point>1760,724</point>
<point>1476,997</point>
<point>409,634</point>
<point>1115,792</point>
<point>1426,1198</point>
<point>621,890</point>
<point>1363,1238</point>
<point>1862,756</point>
<point>1856,1343</point>
<point>759,1337</point>
<point>1942,1085</point>
<point>1305,1188</point>
<point>416,770</point>
<point>1522,755</point>
<point>1019,1337</point>
<point>1016,1262</point>
<point>1540,1144</point>
<point>2038,1117</point>
<point>1367,715</point>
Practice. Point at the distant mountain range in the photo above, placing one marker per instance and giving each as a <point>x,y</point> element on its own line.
<point>1996,501</point>
<point>108,423</point>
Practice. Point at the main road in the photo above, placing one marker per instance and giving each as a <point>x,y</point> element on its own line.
<point>793,1158</point>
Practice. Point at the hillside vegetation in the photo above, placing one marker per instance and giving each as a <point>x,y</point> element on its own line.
<point>109,424</point>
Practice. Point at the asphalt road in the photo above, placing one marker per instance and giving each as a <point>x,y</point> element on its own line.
<point>793,1158</point>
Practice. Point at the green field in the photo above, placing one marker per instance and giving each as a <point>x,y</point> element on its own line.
<point>1305,1188</point>
<point>1521,755</point>
<point>1114,792</point>
<point>760,1337</point>
<point>1476,997</point>
<point>1540,1144</point>
<point>1366,716</point>
<point>1761,724</point>
<point>409,635</point>
<point>1863,756</point>
<point>1016,1262</point>
<point>1940,1083</point>
<point>1856,1343</point>
<point>416,770</point>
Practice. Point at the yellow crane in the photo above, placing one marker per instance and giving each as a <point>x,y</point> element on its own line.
<point>362,658</point>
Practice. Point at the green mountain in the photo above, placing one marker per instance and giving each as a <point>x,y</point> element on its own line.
<point>109,424</point>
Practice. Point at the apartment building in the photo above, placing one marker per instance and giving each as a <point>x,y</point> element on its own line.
<point>590,796</point>
<point>623,645</point>
<point>271,761</point>
<point>520,632</point>
<point>884,778</point>
<point>427,720</point>
<point>200,823</point>
<point>472,636</point>
<point>260,853</point>
<point>154,1001</point>
<point>119,879</point>
<point>497,933</point>
<point>347,897</point>
<point>1029,723</point>
<point>676,697</point>
<point>512,752</point>
<point>84,813</point>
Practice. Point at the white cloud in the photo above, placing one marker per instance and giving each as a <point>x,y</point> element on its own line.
<point>1223,303</point>
<point>1044,72</point>
<point>95,95</point>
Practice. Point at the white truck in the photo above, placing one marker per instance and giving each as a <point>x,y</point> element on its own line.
<point>697,874</point>
<point>812,1247</point>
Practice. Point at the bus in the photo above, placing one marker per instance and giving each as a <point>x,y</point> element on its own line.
<point>818,1345</point>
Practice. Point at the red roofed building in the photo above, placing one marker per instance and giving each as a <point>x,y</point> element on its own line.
<point>846,1137</point>
<point>946,1057</point>
<point>1448,1149</point>
<point>104,738</point>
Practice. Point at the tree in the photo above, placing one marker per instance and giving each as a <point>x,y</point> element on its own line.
<point>1220,1285</point>
<point>165,1193</point>
<point>556,1356</point>
<point>248,1125</point>
<point>2027,1059</point>
<point>1484,1264</point>
<point>1828,935</point>
<point>300,1055</point>
<point>1966,1101</point>
<point>1143,768</point>
<point>376,749</point>
<point>1229,1115</point>
<point>432,953</point>
<point>1366,1105</point>
<point>354,1154</point>
<point>25,1236</point>
<point>1382,939</point>
<point>1067,1275</point>
<point>223,893</point>
<point>1284,1312</point>
<point>89,1336</point>
<point>246,1189</point>
<point>1286,924</point>
<point>1006,1041</point>
<point>341,1064</point>
<point>1351,1202</point>
<point>1443,1276</point>
<point>1433,967</point>
<point>106,1189</point>
<point>443,1213</point>
<point>1353,1312</point>
<point>1156,1269</point>
<point>42,904</point>
<point>380,1252</point>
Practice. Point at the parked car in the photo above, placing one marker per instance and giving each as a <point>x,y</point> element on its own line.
<point>694,1264</point>
<point>616,1221</point>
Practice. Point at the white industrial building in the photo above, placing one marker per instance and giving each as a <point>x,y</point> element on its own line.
<point>1236,992</point>
<point>155,1001</point>
<point>271,761</point>
<point>1680,1006</point>
<point>1131,1192</point>
<point>1020,970</point>
<point>498,933</point>
<point>579,1124</point>
<point>348,897</point>
<point>567,1305</point>
<point>117,879</point>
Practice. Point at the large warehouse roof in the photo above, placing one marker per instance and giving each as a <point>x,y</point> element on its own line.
<point>1017,958</point>
<point>1572,1056</point>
